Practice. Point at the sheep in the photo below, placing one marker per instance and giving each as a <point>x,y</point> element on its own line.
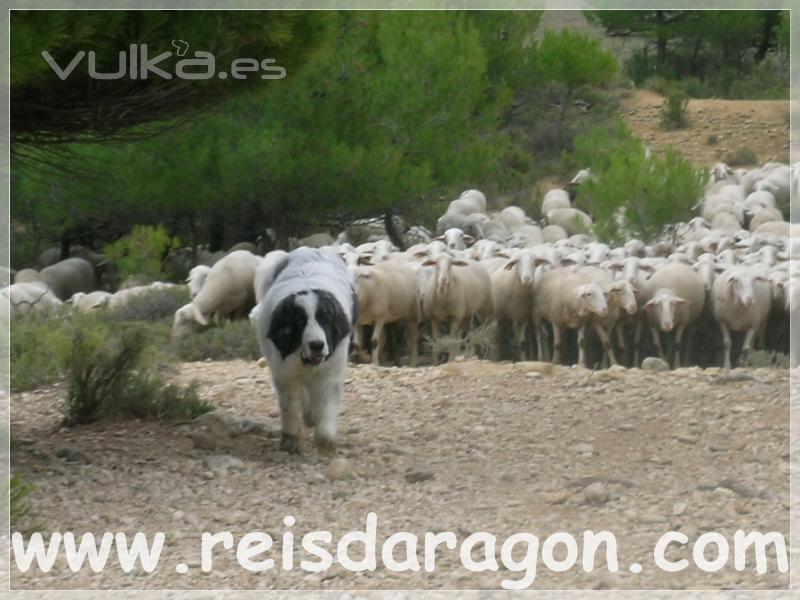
<point>554,199</point>
<point>778,183</point>
<point>676,298</point>
<point>456,289</point>
<point>768,214</point>
<point>572,220</point>
<point>758,200</point>
<point>726,222</point>
<point>511,216</point>
<point>472,224</point>
<point>741,300</point>
<point>266,271</point>
<point>228,291</point>
<point>512,295</point>
<point>90,302</point>
<point>553,233</point>
<point>525,236</point>
<point>620,295</point>
<point>470,201</point>
<point>65,278</point>
<point>249,246</point>
<point>29,298</point>
<point>315,240</point>
<point>387,293</point>
<point>581,176</point>
<point>455,239</point>
<point>196,279</point>
<point>565,300</point>
<point>494,230</point>
<point>773,228</point>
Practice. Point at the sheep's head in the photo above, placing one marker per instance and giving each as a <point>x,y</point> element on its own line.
<point>663,305</point>
<point>622,294</point>
<point>187,319</point>
<point>591,300</point>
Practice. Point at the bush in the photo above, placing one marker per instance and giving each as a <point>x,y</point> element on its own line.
<point>141,251</point>
<point>230,340</point>
<point>38,347</point>
<point>743,156</point>
<point>633,195</point>
<point>18,498</point>
<point>105,373</point>
<point>712,140</point>
<point>673,111</point>
<point>656,83</point>
<point>152,306</point>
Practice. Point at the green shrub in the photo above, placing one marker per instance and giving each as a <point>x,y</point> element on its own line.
<point>656,83</point>
<point>19,505</point>
<point>152,306</point>
<point>673,111</point>
<point>712,140</point>
<point>141,251</point>
<point>743,156</point>
<point>106,376</point>
<point>230,340</point>
<point>633,195</point>
<point>38,347</point>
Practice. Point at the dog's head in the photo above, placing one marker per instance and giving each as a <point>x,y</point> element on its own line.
<point>311,321</point>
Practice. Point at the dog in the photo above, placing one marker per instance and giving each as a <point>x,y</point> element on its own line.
<point>304,323</point>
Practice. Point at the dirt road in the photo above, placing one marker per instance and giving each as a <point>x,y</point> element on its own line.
<point>465,447</point>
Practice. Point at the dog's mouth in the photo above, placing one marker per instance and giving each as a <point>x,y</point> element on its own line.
<point>313,360</point>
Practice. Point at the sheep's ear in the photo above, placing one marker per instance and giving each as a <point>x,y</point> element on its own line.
<point>647,268</point>
<point>679,300</point>
<point>500,254</point>
<point>759,278</point>
<point>364,275</point>
<point>615,266</point>
<point>198,316</point>
<point>469,240</point>
<point>540,261</point>
<point>649,304</point>
<point>460,263</point>
<point>429,263</point>
<point>636,292</point>
<point>365,260</point>
<point>438,239</point>
<point>421,254</point>
<point>511,264</point>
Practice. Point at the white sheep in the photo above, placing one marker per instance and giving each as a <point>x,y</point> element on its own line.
<point>741,299</point>
<point>553,233</point>
<point>554,199</point>
<point>455,239</point>
<point>457,290</point>
<point>228,291</point>
<point>565,300</point>
<point>30,298</point>
<point>90,302</point>
<point>767,214</point>
<point>676,297</point>
<point>511,216</point>
<point>387,293</point>
<point>572,220</point>
<point>512,295</point>
<point>196,279</point>
<point>65,278</point>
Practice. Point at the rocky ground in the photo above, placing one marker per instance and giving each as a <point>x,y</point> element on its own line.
<point>717,128</point>
<point>465,447</point>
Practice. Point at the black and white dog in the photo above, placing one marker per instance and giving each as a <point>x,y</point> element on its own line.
<point>304,323</point>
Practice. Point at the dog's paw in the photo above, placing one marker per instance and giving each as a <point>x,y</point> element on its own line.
<point>325,445</point>
<point>290,443</point>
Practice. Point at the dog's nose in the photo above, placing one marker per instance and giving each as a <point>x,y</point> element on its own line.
<point>316,346</point>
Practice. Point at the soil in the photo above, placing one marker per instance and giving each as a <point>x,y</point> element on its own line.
<point>465,447</point>
<point>760,125</point>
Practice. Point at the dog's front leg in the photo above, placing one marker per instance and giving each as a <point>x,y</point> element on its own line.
<point>289,402</point>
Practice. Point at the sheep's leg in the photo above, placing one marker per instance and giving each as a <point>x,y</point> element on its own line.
<point>656,333</point>
<point>637,343</point>
<point>582,345</point>
<point>746,346</point>
<point>522,334</point>
<point>496,344</point>
<point>556,343</point>
<point>607,349</point>
<point>726,345</point>
<point>412,332</point>
<point>619,332</point>
<point>377,342</point>
<point>676,359</point>
<point>436,328</point>
<point>539,327</point>
<point>289,404</point>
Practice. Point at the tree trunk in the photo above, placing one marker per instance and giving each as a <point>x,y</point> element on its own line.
<point>661,40</point>
<point>771,19</point>
<point>395,236</point>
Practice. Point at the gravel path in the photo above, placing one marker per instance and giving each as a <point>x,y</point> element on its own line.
<point>465,447</point>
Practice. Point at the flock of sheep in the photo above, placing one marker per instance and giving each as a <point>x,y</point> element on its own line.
<point>524,285</point>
